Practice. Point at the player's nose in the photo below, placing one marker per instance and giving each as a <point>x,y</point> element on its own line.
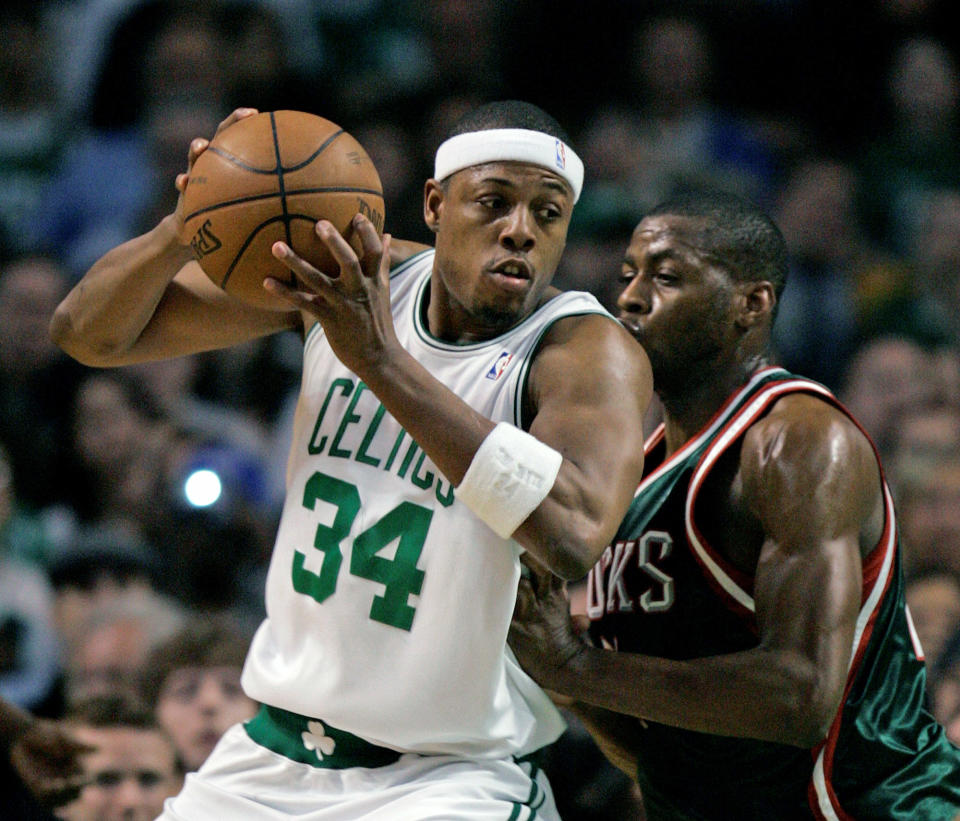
<point>635,296</point>
<point>518,229</point>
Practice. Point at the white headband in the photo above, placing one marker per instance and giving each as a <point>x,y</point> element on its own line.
<point>510,145</point>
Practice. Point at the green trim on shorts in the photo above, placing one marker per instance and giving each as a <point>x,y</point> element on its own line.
<point>537,796</point>
<point>314,742</point>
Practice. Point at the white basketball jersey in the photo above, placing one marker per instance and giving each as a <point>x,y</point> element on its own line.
<point>388,601</point>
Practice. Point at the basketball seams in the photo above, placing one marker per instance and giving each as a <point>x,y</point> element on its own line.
<point>280,186</point>
<point>233,159</point>
<point>251,218</point>
<point>332,189</point>
<point>323,147</point>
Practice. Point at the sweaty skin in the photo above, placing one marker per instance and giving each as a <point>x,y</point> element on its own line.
<point>801,500</point>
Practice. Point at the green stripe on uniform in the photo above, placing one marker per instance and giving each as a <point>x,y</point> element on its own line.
<point>314,742</point>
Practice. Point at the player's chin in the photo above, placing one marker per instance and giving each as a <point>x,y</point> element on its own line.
<point>501,313</point>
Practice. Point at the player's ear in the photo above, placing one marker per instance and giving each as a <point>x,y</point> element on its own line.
<point>432,204</point>
<point>755,303</point>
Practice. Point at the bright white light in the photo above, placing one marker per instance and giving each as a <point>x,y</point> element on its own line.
<point>202,488</point>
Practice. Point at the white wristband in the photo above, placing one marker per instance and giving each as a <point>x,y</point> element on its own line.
<point>510,475</point>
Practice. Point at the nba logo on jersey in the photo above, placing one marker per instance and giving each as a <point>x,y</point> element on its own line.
<point>561,155</point>
<point>500,365</point>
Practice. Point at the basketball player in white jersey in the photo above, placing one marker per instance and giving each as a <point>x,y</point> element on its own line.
<point>454,411</point>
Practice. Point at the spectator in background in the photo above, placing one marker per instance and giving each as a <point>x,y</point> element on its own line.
<point>930,517</point>
<point>884,376</point>
<point>31,127</point>
<point>107,651</point>
<point>172,385</point>
<point>923,300</point>
<point>132,464</point>
<point>218,496</point>
<point>922,436</point>
<point>691,141</point>
<point>29,652</point>
<point>22,534</point>
<point>132,767</point>
<point>394,152</point>
<point>817,328</point>
<point>946,689</point>
<point>933,596</point>
<point>161,79</point>
<point>621,182</point>
<point>114,419</point>
<point>279,56</point>
<point>36,379</point>
<point>99,565</point>
<point>669,135</point>
<point>917,151</point>
<point>192,683</point>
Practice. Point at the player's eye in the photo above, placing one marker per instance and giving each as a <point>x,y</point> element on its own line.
<point>491,201</point>
<point>548,213</point>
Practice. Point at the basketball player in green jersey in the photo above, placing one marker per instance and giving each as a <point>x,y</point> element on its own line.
<point>454,411</point>
<point>750,653</point>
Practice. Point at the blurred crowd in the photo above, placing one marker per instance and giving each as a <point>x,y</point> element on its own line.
<point>124,576</point>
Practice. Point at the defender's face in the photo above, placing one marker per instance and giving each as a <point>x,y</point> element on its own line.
<point>676,300</point>
<point>500,230</point>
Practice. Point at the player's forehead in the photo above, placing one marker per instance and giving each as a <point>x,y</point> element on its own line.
<point>668,234</point>
<point>513,174</point>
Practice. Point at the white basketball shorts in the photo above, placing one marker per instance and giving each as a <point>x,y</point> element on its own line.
<point>245,780</point>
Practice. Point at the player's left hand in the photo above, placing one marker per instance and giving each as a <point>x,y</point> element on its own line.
<point>353,307</point>
<point>543,634</point>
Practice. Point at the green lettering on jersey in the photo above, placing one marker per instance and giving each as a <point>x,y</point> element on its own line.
<point>349,418</point>
<point>346,386</point>
<point>368,438</point>
<point>326,539</point>
<point>407,522</point>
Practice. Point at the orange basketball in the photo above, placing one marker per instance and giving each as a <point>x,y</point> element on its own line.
<point>270,177</point>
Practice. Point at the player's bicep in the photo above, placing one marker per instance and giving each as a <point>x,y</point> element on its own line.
<point>590,389</point>
<point>806,478</point>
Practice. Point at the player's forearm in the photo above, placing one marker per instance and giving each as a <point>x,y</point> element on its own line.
<point>772,696</point>
<point>448,429</point>
<point>108,309</point>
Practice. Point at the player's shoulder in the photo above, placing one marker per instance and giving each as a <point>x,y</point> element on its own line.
<point>591,350</point>
<point>803,430</point>
<point>580,327</point>
<point>402,251</point>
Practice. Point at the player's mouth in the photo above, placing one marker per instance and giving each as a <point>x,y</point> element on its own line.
<point>512,274</point>
<point>631,324</point>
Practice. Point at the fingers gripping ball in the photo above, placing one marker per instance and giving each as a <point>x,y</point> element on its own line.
<point>270,177</point>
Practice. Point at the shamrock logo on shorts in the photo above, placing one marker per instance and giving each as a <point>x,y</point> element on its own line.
<point>316,739</point>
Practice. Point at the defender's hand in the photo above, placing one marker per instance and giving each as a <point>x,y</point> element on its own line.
<point>543,634</point>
